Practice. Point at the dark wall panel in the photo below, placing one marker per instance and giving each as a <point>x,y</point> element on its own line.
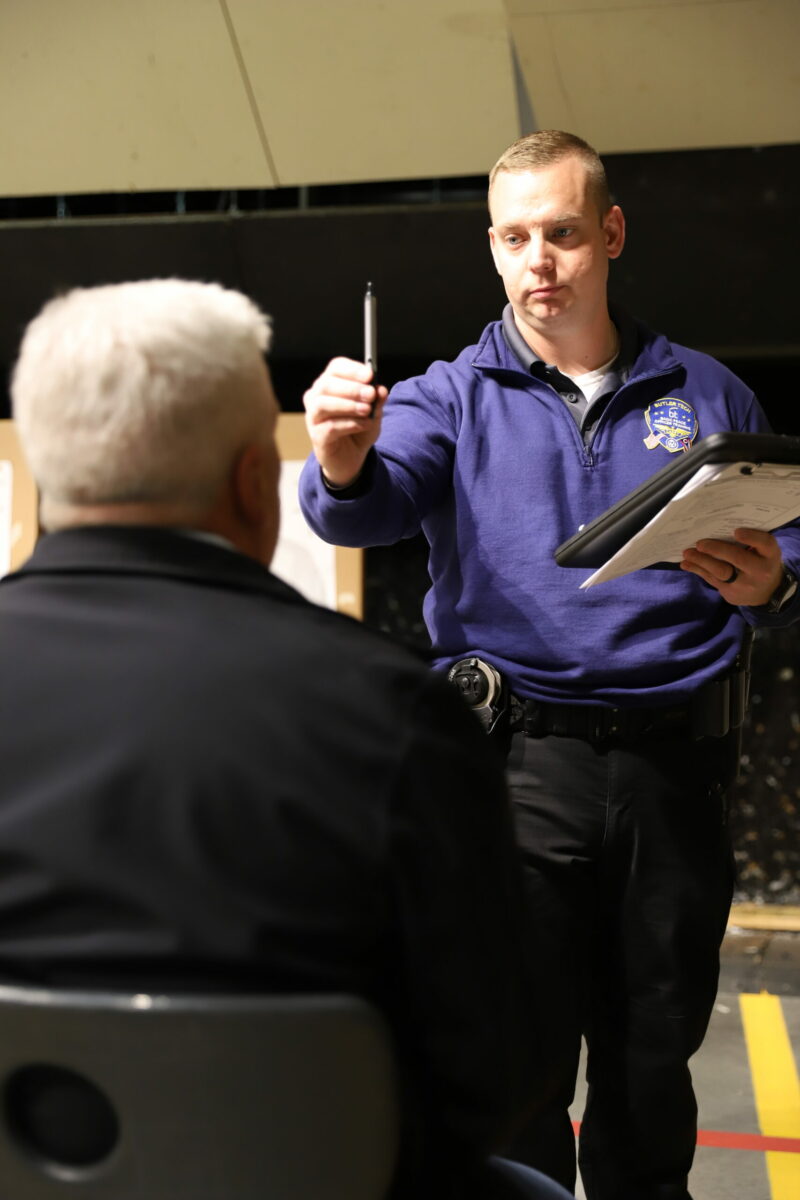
<point>309,270</point>
<point>712,259</point>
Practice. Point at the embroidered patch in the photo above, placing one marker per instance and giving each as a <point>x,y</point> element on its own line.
<point>672,424</point>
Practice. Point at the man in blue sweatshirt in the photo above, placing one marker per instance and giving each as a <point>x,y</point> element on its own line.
<point>618,707</point>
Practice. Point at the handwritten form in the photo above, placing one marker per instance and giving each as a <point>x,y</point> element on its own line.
<point>714,502</point>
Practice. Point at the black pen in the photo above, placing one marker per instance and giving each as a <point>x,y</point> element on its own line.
<point>371,332</point>
<point>371,338</point>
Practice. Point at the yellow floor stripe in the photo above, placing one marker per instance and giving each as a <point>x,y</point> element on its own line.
<point>776,1087</point>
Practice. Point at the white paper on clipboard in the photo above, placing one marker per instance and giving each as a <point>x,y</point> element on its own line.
<point>714,502</point>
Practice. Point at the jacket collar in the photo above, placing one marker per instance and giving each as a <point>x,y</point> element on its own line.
<point>148,550</point>
<point>646,353</point>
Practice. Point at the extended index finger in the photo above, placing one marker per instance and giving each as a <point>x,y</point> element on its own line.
<point>349,368</point>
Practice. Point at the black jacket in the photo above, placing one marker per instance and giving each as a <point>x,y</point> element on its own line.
<point>208,783</point>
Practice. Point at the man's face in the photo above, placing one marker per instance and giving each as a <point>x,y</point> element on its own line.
<point>551,246</point>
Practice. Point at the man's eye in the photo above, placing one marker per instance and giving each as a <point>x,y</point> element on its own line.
<point>563,231</point>
<point>513,240</point>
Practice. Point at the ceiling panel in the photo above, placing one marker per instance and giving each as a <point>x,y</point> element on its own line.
<point>663,76</point>
<point>102,96</point>
<point>359,91</point>
<point>560,7</point>
<point>142,95</point>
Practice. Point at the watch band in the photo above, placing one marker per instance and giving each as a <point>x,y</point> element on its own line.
<point>783,592</point>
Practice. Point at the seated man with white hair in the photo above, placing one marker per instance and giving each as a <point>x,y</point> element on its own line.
<point>210,784</point>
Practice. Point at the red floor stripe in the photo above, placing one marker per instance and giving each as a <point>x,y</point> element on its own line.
<point>739,1141</point>
<point>746,1141</point>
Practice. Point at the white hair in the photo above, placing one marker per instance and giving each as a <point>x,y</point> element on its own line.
<point>139,392</point>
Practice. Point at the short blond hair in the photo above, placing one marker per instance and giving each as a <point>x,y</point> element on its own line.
<point>549,146</point>
<point>139,392</point>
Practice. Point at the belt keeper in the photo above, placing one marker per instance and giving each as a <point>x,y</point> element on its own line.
<point>711,709</point>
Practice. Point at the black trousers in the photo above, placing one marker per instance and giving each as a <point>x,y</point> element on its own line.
<point>629,874</point>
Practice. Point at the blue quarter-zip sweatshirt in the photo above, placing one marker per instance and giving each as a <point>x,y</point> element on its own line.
<point>489,463</point>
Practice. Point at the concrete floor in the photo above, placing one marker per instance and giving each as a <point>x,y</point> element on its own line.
<point>752,962</point>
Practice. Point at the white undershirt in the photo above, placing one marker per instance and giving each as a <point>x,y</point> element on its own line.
<point>597,382</point>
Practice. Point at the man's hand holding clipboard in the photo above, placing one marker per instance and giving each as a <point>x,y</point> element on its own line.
<point>711,512</point>
<point>746,572</point>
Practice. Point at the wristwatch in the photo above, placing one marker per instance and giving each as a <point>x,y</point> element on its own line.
<point>783,592</point>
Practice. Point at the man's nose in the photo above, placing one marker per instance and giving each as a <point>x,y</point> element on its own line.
<point>540,257</point>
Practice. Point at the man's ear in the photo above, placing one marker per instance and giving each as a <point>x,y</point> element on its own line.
<point>248,485</point>
<point>614,230</point>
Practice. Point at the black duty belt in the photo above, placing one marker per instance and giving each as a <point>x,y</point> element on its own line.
<point>595,723</point>
<point>712,711</point>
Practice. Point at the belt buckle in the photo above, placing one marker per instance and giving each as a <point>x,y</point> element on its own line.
<point>612,719</point>
<point>606,723</point>
<point>533,719</point>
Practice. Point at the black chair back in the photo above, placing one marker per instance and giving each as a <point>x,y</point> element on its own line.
<point>119,1097</point>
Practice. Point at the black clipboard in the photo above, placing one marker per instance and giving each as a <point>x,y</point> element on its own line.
<point>594,544</point>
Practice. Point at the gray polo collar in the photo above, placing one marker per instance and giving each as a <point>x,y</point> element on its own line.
<point>536,366</point>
